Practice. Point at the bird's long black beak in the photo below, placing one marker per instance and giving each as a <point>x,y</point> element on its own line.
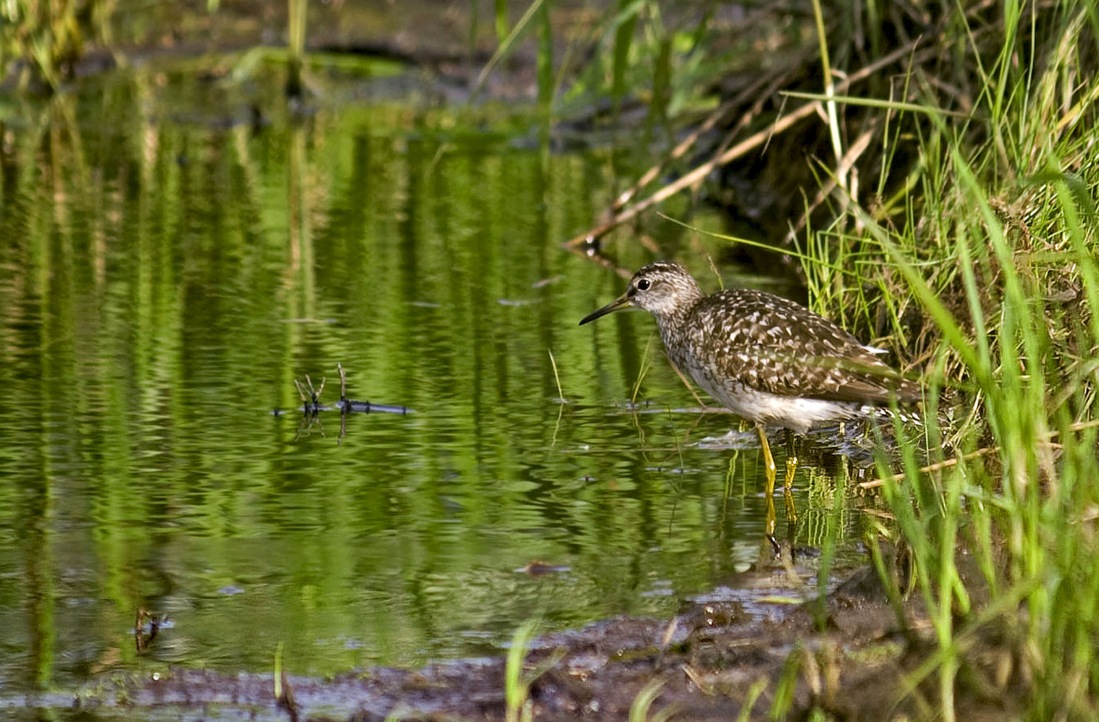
<point>621,302</point>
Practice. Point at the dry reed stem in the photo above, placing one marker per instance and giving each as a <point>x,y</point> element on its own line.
<point>947,463</point>
<point>753,141</point>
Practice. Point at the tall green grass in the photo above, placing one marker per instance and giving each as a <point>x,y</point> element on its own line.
<point>991,282</point>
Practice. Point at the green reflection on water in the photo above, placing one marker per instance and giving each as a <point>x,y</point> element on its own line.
<point>164,276</point>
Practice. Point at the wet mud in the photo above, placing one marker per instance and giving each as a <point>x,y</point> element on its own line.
<point>728,655</point>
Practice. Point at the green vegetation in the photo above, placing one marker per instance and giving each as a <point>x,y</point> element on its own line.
<point>992,289</point>
<point>517,680</point>
<point>47,37</point>
<point>639,711</point>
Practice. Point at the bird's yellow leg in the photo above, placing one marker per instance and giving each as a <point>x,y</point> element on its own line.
<point>791,511</point>
<point>769,525</point>
<point>769,464</point>
<point>791,469</point>
<point>768,460</point>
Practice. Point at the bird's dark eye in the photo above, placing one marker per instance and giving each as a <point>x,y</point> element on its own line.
<point>643,284</point>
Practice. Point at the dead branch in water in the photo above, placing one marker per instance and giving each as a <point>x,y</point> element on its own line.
<point>312,407</point>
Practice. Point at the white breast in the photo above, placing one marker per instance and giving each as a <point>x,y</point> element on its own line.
<point>792,412</point>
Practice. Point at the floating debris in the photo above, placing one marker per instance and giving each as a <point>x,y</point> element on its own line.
<point>536,568</point>
<point>312,407</point>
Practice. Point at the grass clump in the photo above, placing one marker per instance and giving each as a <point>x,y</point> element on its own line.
<point>985,271</point>
<point>48,37</point>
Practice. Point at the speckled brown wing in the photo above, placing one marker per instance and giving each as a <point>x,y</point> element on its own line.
<point>775,345</point>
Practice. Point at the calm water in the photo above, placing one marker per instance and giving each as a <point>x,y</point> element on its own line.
<point>166,272</point>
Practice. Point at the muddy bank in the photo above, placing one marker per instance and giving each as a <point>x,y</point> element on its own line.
<point>849,657</point>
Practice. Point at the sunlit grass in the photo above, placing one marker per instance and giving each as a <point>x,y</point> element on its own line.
<point>992,246</point>
<point>516,683</point>
<point>643,702</point>
<point>517,679</point>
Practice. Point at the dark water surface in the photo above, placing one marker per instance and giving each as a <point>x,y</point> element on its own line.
<point>167,270</point>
